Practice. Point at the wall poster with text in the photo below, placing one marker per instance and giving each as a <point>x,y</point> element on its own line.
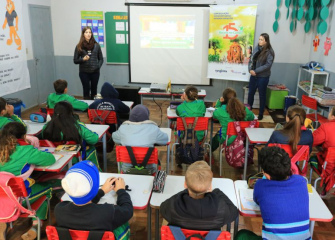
<point>94,20</point>
<point>231,39</point>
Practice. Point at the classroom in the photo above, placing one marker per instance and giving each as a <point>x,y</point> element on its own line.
<point>157,80</point>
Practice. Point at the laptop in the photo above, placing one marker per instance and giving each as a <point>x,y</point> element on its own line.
<point>158,87</point>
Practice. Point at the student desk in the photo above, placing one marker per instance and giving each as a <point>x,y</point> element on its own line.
<point>33,128</point>
<point>318,210</point>
<point>140,185</point>
<point>128,103</point>
<point>255,136</point>
<point>58,165</point>
<point>168,132</point>
<point>175,184</point>
<point>147,92</point>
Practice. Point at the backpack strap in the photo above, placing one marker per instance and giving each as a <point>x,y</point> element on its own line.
<point>133,159</point>
<point>212,235</point>
<point>95,235</point>
<point>237,127</point>
<point>99,118</point>
<point>63,233</point>
<point>177,233</point>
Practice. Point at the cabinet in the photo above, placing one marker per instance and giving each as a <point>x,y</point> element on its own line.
<point>310,80</point>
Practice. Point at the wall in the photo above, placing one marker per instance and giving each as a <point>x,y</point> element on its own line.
<point>28,96</point>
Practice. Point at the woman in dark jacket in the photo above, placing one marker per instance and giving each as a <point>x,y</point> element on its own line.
<point>260,69</point>
<point>89,57</point>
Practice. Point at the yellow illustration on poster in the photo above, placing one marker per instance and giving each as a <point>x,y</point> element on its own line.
<point>231,39</point>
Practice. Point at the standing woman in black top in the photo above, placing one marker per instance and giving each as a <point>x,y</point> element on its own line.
<point>89,57</point>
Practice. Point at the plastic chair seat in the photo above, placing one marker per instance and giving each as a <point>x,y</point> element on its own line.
<point>166,233</point>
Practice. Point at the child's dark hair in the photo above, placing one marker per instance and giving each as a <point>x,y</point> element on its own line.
<point>292,128</point>
<point>60,85</point>
<point>332,111</point>
<point>275,162</point>
<point>8,139</point>
<point>191,93</point>
<point>3,104</point>
<point>236,109</point>
<point>227,94</point>
<point>63,125</point>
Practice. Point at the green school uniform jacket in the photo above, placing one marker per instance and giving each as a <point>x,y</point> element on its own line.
<point>26,155</point>
<point>54,98</point>
<point>220,105</point>
<point>196,108</point>
<point>224,118</point>
<point>13,118</point>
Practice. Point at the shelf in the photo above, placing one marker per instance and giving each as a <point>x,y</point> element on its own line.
<point>315,72</point>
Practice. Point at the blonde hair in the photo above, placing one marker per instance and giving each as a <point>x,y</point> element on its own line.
<point>199,177</point>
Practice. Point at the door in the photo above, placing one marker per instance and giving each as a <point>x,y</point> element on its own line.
<point>43,50</point>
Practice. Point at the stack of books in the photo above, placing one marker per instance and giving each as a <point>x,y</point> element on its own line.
<point>321,93</point>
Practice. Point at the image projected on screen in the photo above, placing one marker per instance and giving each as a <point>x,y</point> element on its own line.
<point>167,31</point>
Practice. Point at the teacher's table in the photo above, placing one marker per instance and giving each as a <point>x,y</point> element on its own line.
<point>66,159</point>
<point>318,210</point>
<point>128,103</point>
<point>175,184</point>
<point>255,136</point>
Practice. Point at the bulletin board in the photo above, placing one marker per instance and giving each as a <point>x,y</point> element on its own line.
<point>116,30</point>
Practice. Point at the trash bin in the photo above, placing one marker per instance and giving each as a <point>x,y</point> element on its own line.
<point>17,104</point>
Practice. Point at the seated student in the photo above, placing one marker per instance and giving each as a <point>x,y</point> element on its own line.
<point>65,127</point>
<point>294,132</point>
<point>139,131</point>
<point>282,197</point>
<point>325,135</point>
<point>7,114</point>
<point>81,183</point>
<point>192,107</point>
<point>227,94</point>
<point>60,86</point>
<point>199,207</point>
<point>235,111</point>
<point>16,156</point>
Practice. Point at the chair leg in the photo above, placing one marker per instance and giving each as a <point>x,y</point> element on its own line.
<point>316,181</point>
<point>172,156</point>
<point>38,229</point>
<point>49,211</point>
<point>210,154</point>
<point>221,159</point>
<point>310,176</point>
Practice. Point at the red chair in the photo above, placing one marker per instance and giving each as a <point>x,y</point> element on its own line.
<point>302,155</point>
<point>311,103</point>
<point>122,155</point>
<point>102,117</point>
<point>50,111</point>
<point>52,234</point>
<point>328,170</point>
<point>166,234</point>
<point>19,191</point>
<point>202,125</point>
<point>231,131</point>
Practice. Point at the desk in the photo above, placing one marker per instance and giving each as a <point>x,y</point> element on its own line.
<point>171,114</point>
<point>147,92</point>
<point>58,165</point>
<point>128,103</point>
<point>255,136</point>
<point>168,132</point>
<point>318,210</point>
<point>175,184</point>
<point>33,128</point>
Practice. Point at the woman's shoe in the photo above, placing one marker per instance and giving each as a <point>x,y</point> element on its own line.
<point>260,117</point>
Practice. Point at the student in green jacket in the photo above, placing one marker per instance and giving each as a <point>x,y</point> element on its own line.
<point>227,94</point>
<point>60,86</point>
<point>235,111</point>
<point>16,155</point>
<point>7,114</point>
<point>65,127</point>
<point>192,107</point>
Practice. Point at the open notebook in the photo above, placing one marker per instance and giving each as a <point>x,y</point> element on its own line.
<point>58,156</point>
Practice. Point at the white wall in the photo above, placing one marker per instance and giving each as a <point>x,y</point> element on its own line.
<point>26,23</point>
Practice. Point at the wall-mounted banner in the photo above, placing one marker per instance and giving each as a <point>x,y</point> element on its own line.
<point>94,20</point>
<point>14,74</point>
<point>231,39</point>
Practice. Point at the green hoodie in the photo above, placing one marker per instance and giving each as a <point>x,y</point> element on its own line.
<point>14,118</point>
<point>26,155</point>
<point>196,108</point>
<point>54,98</point>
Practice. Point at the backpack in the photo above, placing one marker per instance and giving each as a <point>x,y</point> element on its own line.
<point>39,117</point>
<point>100,119</point>
<point>10,207</point>
<point>139,169</point>
<point>235,152</point>
<point>179,235</point>
<point>189,149</point>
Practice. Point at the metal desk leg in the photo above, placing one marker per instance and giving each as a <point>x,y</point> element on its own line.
<point>169,123</point>
<point>168,159</point>
<point>104,151</point>
<point>311,228</point>
<point>157,237</point>
<point>236,226</point>
<point>211,133</point>
<point>141,98</point>
<point>246,159</point>
<point>149,221</point>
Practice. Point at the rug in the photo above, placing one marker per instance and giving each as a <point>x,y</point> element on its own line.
<point>266,119</point>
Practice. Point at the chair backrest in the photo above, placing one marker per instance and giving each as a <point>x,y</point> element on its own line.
<point>243,124</point>
<point>301,155</point>
<point>75,234</point>
<point>50,111</point>
<point>102,116</point>
<point>202,123</point>
<point>309,102</point>
<point>330,157</point>
<point>166,233</point>
<point>122,155</point>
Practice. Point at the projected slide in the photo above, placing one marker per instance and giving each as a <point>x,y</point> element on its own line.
<point>167,31</point>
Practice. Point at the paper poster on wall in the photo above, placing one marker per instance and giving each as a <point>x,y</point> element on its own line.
<point>231,39</point>
<point>14,74</point>
<point>94,20</point>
